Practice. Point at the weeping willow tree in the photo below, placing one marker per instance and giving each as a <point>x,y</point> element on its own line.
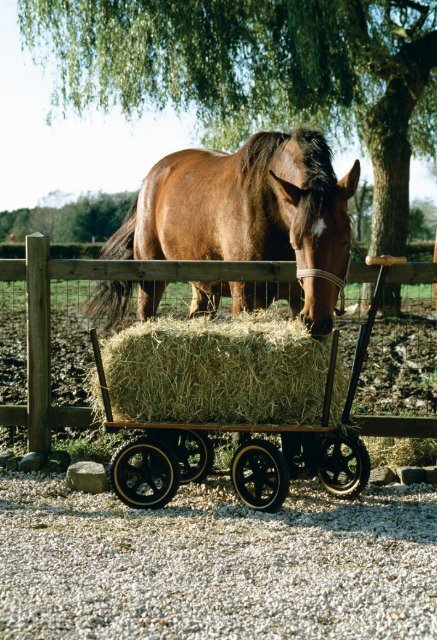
<point>352,67</point>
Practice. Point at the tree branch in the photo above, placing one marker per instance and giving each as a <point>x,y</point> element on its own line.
<point>411,5</point>
<point>421,52</point>
<point>357,19</point>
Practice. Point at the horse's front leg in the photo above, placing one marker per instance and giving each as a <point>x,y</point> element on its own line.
<point>238,297</point>
<point>204,302</point>
<point>292,292</point>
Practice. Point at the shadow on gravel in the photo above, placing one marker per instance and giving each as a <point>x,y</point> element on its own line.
<point>386,516</point>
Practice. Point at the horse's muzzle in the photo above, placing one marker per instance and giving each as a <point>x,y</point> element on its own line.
<point>318,330</point>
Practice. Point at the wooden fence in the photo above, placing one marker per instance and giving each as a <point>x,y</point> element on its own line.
<point>38,270</point>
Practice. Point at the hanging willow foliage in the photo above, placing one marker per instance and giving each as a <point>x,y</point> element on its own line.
<point>237,62</point>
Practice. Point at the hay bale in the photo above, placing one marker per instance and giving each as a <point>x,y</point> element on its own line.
<point>256,369</point>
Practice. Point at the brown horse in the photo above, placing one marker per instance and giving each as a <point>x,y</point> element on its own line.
<point>277,198</point>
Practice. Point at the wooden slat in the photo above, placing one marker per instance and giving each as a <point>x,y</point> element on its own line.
<point>210,270</point>
<point>13,415</point>
<point>411,273</point>
<point>65,416</point>
<point>257,428</point>
<point>12,270</point>
<point>379,426</point>
<point>397,427</point>
<point>206,270</point>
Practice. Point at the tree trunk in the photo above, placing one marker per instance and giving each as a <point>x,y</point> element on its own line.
<point>390,156</point>
<point>386,135</point>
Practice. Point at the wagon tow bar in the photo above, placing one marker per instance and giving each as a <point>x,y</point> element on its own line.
<point>102,378</point>
<point>365,331</point>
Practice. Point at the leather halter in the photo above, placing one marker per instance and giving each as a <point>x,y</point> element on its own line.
<point>327,275</point>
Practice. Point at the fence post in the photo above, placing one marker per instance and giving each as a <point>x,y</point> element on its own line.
<point>38,342</point>
<point>434,286</point>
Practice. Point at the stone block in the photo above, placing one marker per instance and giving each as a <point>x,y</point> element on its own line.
<point>87,476</point>
<point>411,475</point>
<point>431,474</point>
<point>382,476</point>
<point>32,461</point>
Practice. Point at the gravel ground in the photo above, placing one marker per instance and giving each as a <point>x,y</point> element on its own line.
<point>81,566</point>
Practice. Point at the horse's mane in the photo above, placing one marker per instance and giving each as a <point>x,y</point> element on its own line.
<point>258,151</point>
<point>319,176</point>
<point>317,155</point>
<point>317,159</point>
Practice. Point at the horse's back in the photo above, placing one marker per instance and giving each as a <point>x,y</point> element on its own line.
<point>187,204</point>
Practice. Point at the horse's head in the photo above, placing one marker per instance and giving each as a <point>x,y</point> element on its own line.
<point>320,234</point>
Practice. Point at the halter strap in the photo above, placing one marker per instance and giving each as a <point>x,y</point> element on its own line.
<point>319,273</point>
<point>327,275</point>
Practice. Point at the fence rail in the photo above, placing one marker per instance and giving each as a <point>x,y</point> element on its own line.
<point>213,270</point>
<point>38,270</point>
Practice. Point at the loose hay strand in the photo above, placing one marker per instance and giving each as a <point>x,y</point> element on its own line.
<point>259,368</point>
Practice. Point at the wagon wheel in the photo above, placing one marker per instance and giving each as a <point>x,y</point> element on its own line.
<point>344,465</point>
<point>195,453</point>
<point>260,476</point>
<point>144,474</point>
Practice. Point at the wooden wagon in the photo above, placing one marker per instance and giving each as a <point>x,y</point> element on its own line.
<point>147,471</point>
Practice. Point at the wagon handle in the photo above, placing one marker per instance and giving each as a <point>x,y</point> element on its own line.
<point>366,329</point>
<point>386,261</point>
<point>330,378</point>
<point>101,374</point>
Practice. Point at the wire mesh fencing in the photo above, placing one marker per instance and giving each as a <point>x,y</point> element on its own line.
<point>399,377</point>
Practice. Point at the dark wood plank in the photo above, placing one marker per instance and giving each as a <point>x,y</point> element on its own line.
<point>66,416</point>
<point>379,426</point>
<point>13,415</point>
<point>244,428</point>
<point>182,270</point>
<point>411,273</point>
<point>216,270</point>
<point>397,427</point>
<point>12,270</point>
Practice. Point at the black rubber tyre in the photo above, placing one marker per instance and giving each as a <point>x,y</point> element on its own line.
<point>145,474</point>
<point>195,453</point>
<point>344,465</point>
<point>260,475</point>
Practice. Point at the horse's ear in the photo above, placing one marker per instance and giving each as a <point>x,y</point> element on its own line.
<point>349,182</point>
<point>292,192</point>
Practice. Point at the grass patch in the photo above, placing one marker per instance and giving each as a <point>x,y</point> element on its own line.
<point>400,452</point>
<point>98,449</point>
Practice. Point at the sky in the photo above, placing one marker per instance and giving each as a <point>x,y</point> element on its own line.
<point>96,152</point>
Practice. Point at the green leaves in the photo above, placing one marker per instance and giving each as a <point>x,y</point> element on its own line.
<point>243,65</point>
